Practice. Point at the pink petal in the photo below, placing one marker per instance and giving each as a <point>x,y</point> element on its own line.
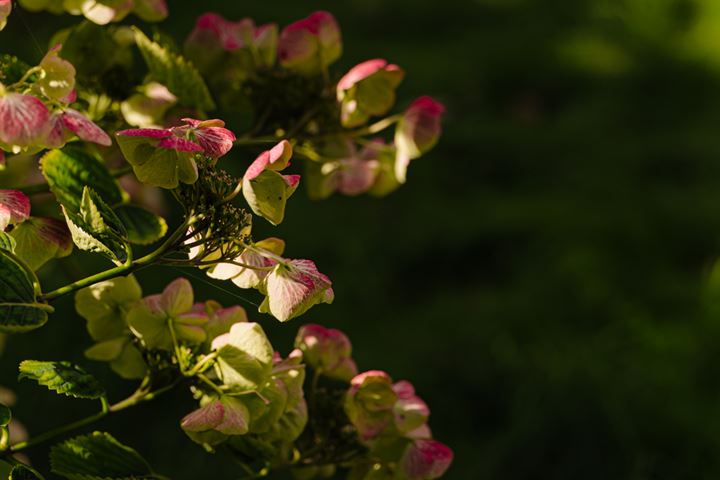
<point>22,119</point>
<point>55,231</point>
<point>145,132</point>
<point>360,72</point>
<point>54,136</point>
<point>426,460</point>
<point>292,181</point>
<point>179,144</point>
<point>216,141</point>
<point>14,207</point>
<point>84,128</point>
<point>276,158</point>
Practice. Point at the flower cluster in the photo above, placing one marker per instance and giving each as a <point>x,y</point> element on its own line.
<point>101,12</point>
<point>389,418</point>
<point>35,112</point>
<point>251,60</point>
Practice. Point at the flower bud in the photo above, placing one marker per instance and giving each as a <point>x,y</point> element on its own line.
<point>310,45</point>
<point>426,460</point>
<point>327,350</point>
<point>417,132</point>
<point>367,89</point>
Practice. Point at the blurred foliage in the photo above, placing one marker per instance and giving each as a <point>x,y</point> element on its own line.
<point>540,277</point>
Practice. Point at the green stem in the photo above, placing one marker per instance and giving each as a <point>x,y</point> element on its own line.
<point>122,269</point>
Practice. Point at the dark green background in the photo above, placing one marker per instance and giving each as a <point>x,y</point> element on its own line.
<point>539,277</point>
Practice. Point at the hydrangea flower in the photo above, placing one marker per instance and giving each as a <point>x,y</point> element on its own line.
<point>266,190</point>
<point>241,44</point>
<point>367,89</point>
<point>104,306</point>
<point>417,132</point>
<point>23,120</point>
<point>36,239</point>
<point>369,403</point>
<point>354,173</point>
<point>310,45</point>
<point>57,81</point>
<point>14,208</point>
<point>164,157</point>
<point>327,350</point>
<point>149,319</point>
<point>218,419</point>
<point>293,287</point>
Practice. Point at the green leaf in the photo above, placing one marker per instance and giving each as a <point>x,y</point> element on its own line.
<point>23,472</point>
<point>175,72</point>
<point>98,456</point>
<point>5,415</point>
<point>143,227</point>
<point>20,310</point>
<point>267,195</point>
<point>69,170</point>
<point>97,228</point>
<point>7,242</point>
<point>62,377</point>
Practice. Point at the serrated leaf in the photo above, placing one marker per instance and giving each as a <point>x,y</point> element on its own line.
<point>69,170</point>
<point>98,456</point>
<point>62,377</point>
<point>143,227</point>
<point>175,72</point>
<point>5,415</point>
<point>23,472</point>
<point>97,228</point>
<point>20,310</point>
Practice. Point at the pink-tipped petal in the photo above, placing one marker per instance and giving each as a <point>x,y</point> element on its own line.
<point>85,128</point>
<point>22,119</point>
<point>360,72</point>
<point>14,207</point>
<point>276,158</point>
<point>145,132</point>
<point>179,144</point>
<point>426,460</point>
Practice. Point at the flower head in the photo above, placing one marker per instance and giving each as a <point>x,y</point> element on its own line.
<point>293,287</point>
<point>149,318</point>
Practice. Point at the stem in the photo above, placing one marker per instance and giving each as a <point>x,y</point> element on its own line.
<point>122,269</point>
